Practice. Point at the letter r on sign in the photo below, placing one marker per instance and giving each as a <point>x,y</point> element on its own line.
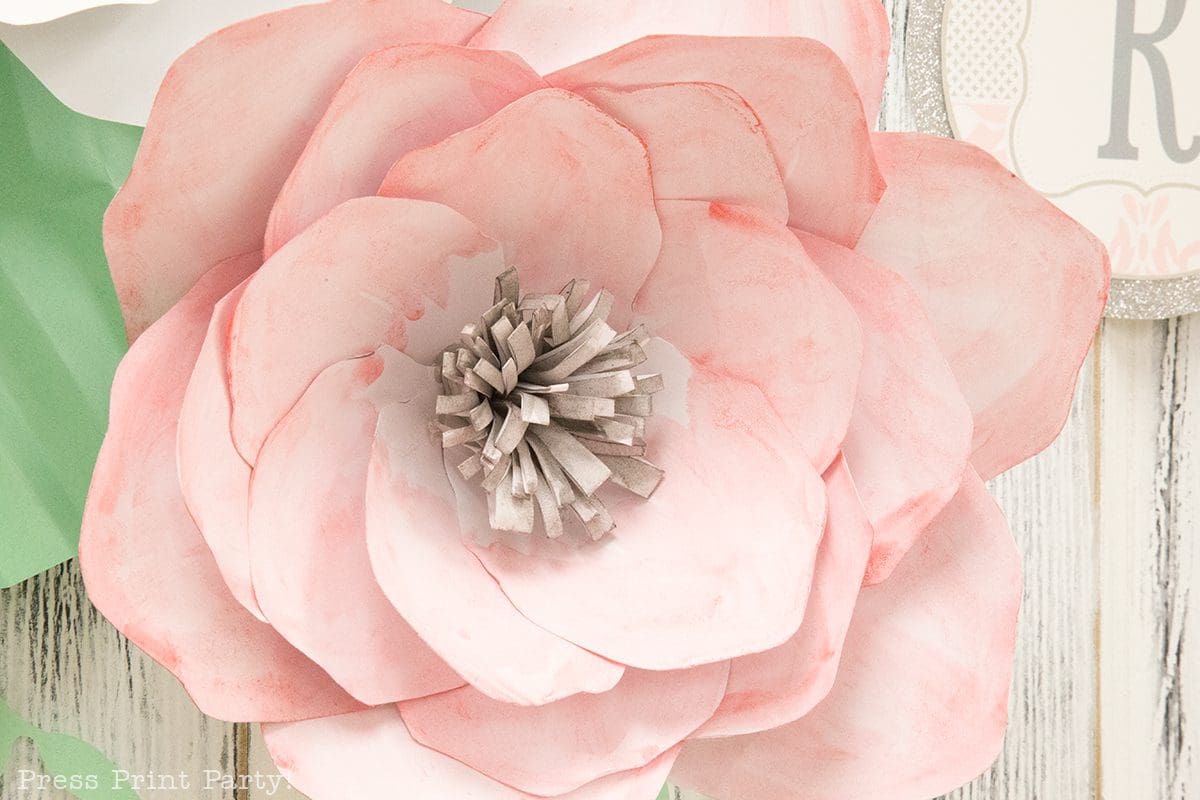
<point>1119,145</point>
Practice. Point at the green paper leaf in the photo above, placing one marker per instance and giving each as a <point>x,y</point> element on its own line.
<point>665,794</point>
<point>61,333</point>
<point>63,756</point>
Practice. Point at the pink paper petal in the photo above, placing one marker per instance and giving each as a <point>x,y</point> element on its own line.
<point>213,478</point>
<point>919,706</point>
<point>1014,288</point>
<point>370,755</point>
<point>736,293</point>
<point>563,186</point>
<point>551,34</point>
<point>395,101</point>
<point>910,435</point>
<point>783,684</point>
<point>231,118</point>
<point>308,541</point>
<point>704,141</point>
<point>810,113</point>
<point>417,554</point>
<point>146,565</point>
<point>350,282</point>
<point>558,748</point>
<point>715,565</point>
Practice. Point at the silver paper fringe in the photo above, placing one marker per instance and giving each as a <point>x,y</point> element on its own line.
<point>541,393</point>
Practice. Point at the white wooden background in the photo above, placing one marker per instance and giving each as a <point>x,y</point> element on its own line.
<point>1108,521</point>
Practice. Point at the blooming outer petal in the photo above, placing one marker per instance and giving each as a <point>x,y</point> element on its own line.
<point>910,435</point>
<point>563,186</point>
<point>812,117</point>
<point>396,100</point>
<point>704,142</point>
<point>350,282</point>
<point>337,757</point>
<point>919,706</point>
<point>557,748</point>
<point>417,554</point>
<point>783,684</point>
<point>551,34</point>
<point>146,566</point>
<point>213,477</point>
<point>180,211</point>
<point>1014,287</point>
<point>725,271</point>
<point>716,564</point>
<point>308,543</point>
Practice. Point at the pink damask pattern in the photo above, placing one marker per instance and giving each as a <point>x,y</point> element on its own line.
<point>1145,242</point>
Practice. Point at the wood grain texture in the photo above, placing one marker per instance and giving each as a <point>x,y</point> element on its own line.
<point>896,114</point>
<point>65,669</point>
<point>1107,521</point>
<point>1150,533</point>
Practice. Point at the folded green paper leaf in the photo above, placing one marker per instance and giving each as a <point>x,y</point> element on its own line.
<point>60,324</point>
<point>80,768</point>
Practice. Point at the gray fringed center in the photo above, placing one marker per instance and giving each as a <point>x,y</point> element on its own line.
<point>540,391</point>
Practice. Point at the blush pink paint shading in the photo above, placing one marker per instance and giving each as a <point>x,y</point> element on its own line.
<point>417,552</point>
<point>734,593</point>
<point>722,267</point>
<point>552,35</point>
<point>910,433</point>
<point>1009,283</point>
<point>344,287</point>
<point>395,101</point>
<point>231,118</point>
<point>802,94</point>
<point>818,601</point>
<point>704,141</point>
<point>340,756</point>
<point>642,717</point>
<point>782,684</point>
<point>577,189</point>
<point>926,667</point>
<point>213,476</point>
<point>164,590</point>
<point>307,533</point>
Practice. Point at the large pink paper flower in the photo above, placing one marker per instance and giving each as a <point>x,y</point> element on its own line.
<point>853,330</point>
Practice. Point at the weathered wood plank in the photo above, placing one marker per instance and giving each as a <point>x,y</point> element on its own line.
<point>1150,527</point>
<point>66,669</point>
<point>896,112</point>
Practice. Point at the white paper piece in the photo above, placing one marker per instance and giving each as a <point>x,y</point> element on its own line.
<point>670,390</point>
<point>31,12</point>
<point>482,6</point>
<point>108,61</point>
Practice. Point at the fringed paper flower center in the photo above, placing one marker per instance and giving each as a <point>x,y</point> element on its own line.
<point>541,392</point>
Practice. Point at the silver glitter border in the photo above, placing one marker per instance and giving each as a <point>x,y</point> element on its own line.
<point>1147,298</point>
